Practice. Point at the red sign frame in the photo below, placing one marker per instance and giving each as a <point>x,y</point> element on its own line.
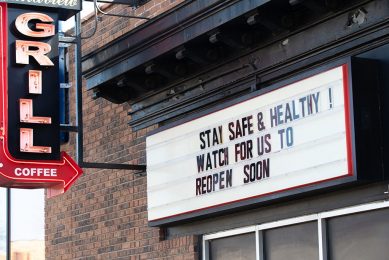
<point>56,176</point>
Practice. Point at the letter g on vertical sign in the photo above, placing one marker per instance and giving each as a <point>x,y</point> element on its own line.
<point>46,29</point>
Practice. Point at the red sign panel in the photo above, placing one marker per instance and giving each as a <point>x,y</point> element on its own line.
<point>56,175</point>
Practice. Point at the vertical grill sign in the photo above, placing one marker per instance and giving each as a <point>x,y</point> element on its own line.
<point>33,91</point>
<point>30,155</point>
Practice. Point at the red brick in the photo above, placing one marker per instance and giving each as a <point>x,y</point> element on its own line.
<point>104,215</point>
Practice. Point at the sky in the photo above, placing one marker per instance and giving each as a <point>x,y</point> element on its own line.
<point>27,215</point>
<point>87,8</point>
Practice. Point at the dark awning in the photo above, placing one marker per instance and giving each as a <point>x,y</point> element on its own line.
<point>161,35</point>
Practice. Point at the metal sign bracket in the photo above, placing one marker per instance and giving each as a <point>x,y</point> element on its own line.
<point>78,129</point>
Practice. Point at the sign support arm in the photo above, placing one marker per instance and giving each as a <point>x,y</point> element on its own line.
<point>79,116</point>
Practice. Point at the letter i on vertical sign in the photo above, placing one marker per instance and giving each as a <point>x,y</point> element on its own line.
<point>23,52</point>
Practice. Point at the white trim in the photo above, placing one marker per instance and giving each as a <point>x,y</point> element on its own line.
<point>228,233</point>
<point>287,222</point>
<point>322,238</point>
<point>355,209</point>
<point>205,255</point>
<point>257,256</point>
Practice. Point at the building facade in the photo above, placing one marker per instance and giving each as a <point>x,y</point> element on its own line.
<point>186,92</point>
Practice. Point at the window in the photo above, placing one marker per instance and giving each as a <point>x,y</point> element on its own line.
<point>359,236</point>
<point>294,242</point>
<point>359,232</point>
<point>240,247</point>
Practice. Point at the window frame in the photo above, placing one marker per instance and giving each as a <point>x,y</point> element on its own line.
<point>319,218</point>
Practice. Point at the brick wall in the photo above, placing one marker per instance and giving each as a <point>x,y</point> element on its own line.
<point>110,27</point>
<point>104,214</point>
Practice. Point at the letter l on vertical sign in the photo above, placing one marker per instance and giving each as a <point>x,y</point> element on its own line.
<point>56,176</point>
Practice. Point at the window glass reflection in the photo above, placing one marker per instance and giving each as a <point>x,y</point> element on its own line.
<point>240,247</point>
<point>295,242</point>
<point>359,236</point>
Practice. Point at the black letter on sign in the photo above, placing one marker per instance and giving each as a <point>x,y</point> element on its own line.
<point>200,163</point>
<point>202,145</point>
<point>261,125</point>
<point>198,186</point>
<point>229,178</point>
<point>232,133</point>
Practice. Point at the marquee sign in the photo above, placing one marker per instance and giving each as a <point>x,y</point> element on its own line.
<point>294,138</point>
<point>30,154</point>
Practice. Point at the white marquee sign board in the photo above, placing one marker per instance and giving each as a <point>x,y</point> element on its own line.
<point>288,138</point>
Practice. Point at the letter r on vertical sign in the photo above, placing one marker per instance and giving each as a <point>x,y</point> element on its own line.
<point>24,49</point>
